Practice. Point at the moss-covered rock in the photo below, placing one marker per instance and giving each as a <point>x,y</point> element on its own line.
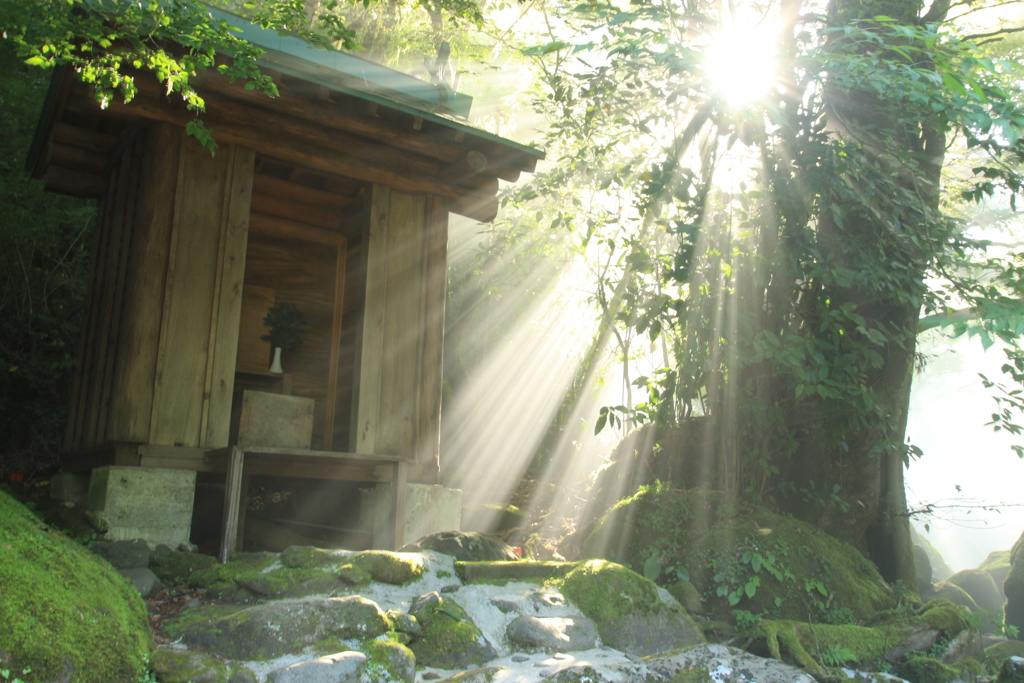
<point>944,590</point>
<point>944,615</point>
<point>466,546</point>
<point>749,559</point>
<point>277,628</point>
<point>386,567</point>
<point>628,612</point>
<point>285,582</point>
<point>310,557</point>
<point>388,661</point>
<point>813,647</point>
<point>928,670</point>
<point>1012,671</point>
<point>173,567</point>
<point>997,564</point>
<point>1013,587</point>
<point>64,613</point>
<point>980,585</point>
<point>220,583</point>
<point>172,665</point>
<point>995,654</point>
<point>448,638</point>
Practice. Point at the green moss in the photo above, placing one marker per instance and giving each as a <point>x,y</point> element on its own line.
<point>750,559</point>
<point>289,583</point>
<point>943,615</point>
<point>65,613</point>
<point>449,639</point>
<point>182,666</point>
<point>697,674</point>
<point>219,580</point>
<point>495,572</point>
<point>173,567</point>
<point>928,670</point>
<point>308,557</point>
<point>388,660</point>
<point>808,644</point>
<point>604,591</point>
<point>388,567</point>
<point>995,654</point>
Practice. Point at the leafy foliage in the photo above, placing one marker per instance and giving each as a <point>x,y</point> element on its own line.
<point>285,321</point>
<point>783,302</point>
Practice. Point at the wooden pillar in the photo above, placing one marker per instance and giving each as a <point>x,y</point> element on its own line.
<point>399,400</point>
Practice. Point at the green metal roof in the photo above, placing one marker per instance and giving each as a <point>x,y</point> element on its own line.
<point>363,79</point>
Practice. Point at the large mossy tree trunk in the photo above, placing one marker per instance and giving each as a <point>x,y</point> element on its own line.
<point>885,244</point>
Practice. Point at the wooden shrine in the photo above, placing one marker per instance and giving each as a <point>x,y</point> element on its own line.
<point>333,196</point>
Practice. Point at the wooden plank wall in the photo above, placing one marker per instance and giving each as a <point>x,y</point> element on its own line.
<point>158,355</point>
<point>403,326</point>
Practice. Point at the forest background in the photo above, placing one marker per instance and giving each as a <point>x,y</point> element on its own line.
<point>760,268</point>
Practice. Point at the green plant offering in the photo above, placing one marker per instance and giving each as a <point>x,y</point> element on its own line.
<point>285,321</point>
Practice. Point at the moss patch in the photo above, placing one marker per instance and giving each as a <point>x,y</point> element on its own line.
<point>449,639</point>
<point>749,559</point>
<point>219,580</point>
<point>172,567</point>
<point>995,654</point>
<point>182,666</point>
<point>388,661</point>
<point>811,646</point>
<point>65,613</point>
<point>945,616</point>
<point>605,591</point>
<point>493,572</point>
<point>928,670</point>
<point>387,567</point>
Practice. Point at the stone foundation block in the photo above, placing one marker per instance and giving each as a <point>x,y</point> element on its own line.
<point>151,503</point>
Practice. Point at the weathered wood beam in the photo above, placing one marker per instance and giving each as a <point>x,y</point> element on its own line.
<point>319,154</point>
<point>297,211</point>
<point>264,184</point>
<point>280,227</point>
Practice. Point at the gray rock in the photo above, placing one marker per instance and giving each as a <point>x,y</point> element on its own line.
<point>547,598</point>
<point>980,586</point>
<point>170,663</point>
<point>641,634</point>
<point>143,580</point>
<point>424,601</point>
<point>965,644</point>
<point>124,554</point>
<point>723,664</point>
<point>343,667</point>
<point>917,641</point>
<point>279,628</point>
<point>553,634</point>
<point>579,673</point>
<point>506,606</point>
<point>397,659</point>
<point>466,546</point>
<point>404,623</point>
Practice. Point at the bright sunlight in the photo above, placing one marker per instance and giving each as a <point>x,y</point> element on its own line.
<point>740,62</point>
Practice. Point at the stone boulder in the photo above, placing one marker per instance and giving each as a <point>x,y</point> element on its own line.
<point>1014,589</point>
<point>173,566</point>
<point>174,665</point>
<point>277,628</point>
<point>65,614</point>
<point>132,554</point>
<point>343,667</point>
<point>980,585</point>
<point>448,639</point>
<point>759,561</point>
<point>1012,671</point>
<point>944,590</point>
<point>466,546</point>
<point>628,610</point>
<point>719,663</point>
<point>552,634</point>
<point>997,564</point>
<point>923,568</point>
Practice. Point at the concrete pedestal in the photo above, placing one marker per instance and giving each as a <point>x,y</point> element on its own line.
<point>151,503</point>
<point>429,508</point>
